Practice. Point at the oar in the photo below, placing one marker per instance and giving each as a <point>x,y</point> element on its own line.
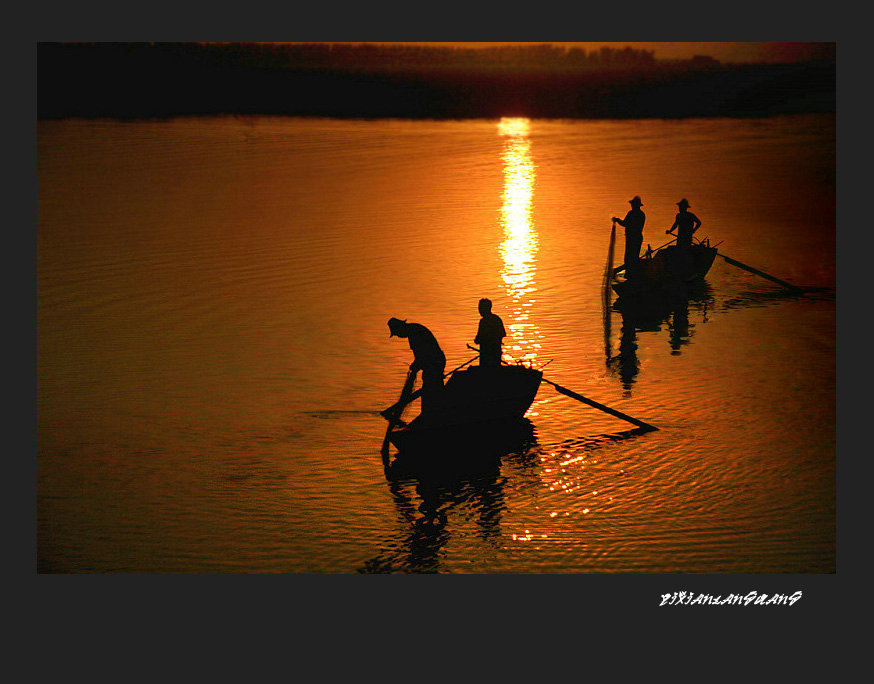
<point>392,420</point>
<point>756,271</point>
<point>605,293</point>
<point>601,407</point>
<point>608,271</point>
<point>446,375</point>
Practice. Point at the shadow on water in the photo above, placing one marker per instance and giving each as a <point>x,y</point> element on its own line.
<point>589,443</point>
<point>466,477</point>
<point>479,496</point>
<point>652,314</point>
<point>752,299</point>
<point>433,492</point>
<point>672,313</point>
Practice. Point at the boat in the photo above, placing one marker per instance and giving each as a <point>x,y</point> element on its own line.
<point>478,408</point>
<point>668,270</point>
<point>471,450</point>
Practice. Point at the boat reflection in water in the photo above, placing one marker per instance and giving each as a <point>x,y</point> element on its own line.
<point>441,498</point>
<point>671,311</point>
<point>434,489</point>
<point>652,314</point>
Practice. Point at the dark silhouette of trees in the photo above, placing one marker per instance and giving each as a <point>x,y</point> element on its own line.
<point>413,81</point>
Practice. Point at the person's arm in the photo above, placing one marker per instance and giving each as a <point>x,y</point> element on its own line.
<point>697,223</point>
<point>673,227</point>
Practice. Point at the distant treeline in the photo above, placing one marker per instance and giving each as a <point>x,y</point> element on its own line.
<point>141,80</point>
<point>361,57</point>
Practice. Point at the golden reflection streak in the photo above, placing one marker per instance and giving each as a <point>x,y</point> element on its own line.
<point>520,238</point>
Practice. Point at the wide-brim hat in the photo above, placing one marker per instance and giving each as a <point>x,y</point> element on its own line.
<point>636,201</point>
<point>683,203</point>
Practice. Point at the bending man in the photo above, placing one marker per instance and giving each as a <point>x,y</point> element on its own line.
<point>427,357</point>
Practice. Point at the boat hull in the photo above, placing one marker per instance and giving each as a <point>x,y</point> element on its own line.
<point>476,407</point>
<point>469,449</point>
<point>669,271</point>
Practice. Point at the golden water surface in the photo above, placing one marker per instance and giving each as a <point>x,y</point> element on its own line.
<point>213,351</point>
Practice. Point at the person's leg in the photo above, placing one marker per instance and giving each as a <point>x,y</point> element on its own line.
<point>432,384</point>
<point>490,355</point>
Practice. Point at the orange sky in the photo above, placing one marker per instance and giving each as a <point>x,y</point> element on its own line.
<point>724,52</point>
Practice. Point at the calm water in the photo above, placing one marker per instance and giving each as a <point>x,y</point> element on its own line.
<point>212,298</point>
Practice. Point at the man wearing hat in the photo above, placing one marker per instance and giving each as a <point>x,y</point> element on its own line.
<point>633,224</point>
<point>427,356</point>
<point>686,223</point>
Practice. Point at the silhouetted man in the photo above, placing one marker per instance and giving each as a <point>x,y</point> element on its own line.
<point>427,356</point>
<point>633,224</point>
<point>685,223</point>
<point>490,335</point>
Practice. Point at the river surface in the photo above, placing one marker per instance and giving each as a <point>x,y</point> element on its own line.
<point>213,354</point>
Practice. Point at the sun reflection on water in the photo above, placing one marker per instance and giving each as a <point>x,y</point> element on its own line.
<point>520,237</point>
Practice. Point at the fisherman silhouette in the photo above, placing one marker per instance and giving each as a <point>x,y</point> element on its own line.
<point>427,357</point>
<point>489,335</point>
<point>633,224</point>
<point>685,223</point>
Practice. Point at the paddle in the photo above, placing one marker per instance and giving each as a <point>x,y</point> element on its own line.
<point>757,272</point>
<point>605,293</point>
<point>392,420</point>
<point>600,407</point>
<point>609,269</point>
<point>465,363</point>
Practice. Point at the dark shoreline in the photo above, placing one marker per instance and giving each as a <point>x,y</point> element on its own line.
<point>98,83</point>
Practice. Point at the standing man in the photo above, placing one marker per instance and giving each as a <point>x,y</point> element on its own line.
<point>490,335</point>
<point>633,224</point>
<point>686,223</point>
<point>427,357</point>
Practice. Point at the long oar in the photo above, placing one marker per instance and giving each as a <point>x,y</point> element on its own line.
<point>601,407</point>
<point>745,267</point>
<point>608,271</point>
<point>446,375</point>
<point>393,418</point>
<point>605,292</point>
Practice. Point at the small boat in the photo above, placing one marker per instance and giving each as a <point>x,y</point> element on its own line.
<point>668,270</point>
<point>467,450</point>
<point>477,407</point>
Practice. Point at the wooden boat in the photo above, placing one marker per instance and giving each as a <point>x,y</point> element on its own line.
<point>468,450</point>
<point>668,270</point>
<point>477,408</point>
